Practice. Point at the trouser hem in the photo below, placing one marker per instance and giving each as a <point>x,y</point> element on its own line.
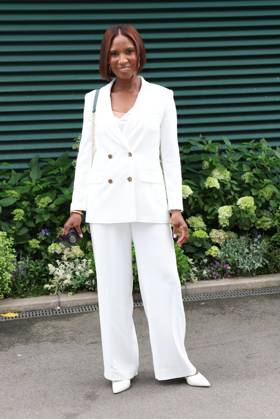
<point>120,377</point>
<point>162,377</point>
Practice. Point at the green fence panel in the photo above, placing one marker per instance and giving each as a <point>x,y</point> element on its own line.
<point>221,58</point>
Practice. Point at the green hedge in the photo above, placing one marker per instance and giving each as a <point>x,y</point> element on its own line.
<point>231,202</point>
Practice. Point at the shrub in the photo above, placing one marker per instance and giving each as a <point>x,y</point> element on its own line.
<point>71,269</point>
<point>7,263</point>
<point>234,190</point>
<point>35,202</point>
<point>244,255</point>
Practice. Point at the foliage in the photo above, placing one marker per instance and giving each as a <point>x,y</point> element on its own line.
<point>7,263</point>
<point>29,277</point>
<point>71,269</point>
<point>245,256</point>
<point>231,197</point>
<point>35,201</point>
<point>235,192</point>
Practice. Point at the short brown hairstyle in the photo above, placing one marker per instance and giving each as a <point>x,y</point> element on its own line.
<point>108,37</point>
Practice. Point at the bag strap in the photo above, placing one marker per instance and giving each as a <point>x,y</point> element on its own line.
<point>93,134</point>
<point>95,100</point>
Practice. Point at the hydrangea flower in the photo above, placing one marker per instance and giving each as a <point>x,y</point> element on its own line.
<point>196,222</point>
<point>55,248</point>
<point>267,191</point>
<point>265,222</point>
<point>11,193</point>
<point>213,251</point>
<point>205,165</point>
<point>221,173</point>
<point>247,177</point>
<point>34,244</point>
<point>247,203</point>
<point>186,191</point>
<point>212,182</point>
<point>218,236</point>
<point>230,235</point>
<point>200,234</point>
<point>72,252</point>
<point>224,214</point>
<point>43,202</point>
<point>18,214</point>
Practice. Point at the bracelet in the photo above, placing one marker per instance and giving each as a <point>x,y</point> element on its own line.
<point>77,212</point>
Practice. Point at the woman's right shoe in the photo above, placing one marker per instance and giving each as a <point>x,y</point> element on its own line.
<point>197,380</point>
<point>120,385</point>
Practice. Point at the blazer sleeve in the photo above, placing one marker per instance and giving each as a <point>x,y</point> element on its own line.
<point>170,155</point>
<point>83,162</point>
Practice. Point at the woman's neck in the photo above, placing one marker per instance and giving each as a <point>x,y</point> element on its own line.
<point>131,85</point>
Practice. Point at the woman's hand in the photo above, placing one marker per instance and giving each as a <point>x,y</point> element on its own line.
<point>74,221</point>
<point>179,227</point>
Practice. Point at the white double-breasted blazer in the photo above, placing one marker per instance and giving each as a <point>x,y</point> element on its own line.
<point>135,174</point>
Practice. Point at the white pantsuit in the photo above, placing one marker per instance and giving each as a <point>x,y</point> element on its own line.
<point>161,294</point>
<point>127,190</point>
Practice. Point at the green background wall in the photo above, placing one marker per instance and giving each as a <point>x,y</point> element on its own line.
<point>220,57</point>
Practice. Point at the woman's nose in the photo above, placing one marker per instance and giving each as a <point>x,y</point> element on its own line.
<point>122,59</point>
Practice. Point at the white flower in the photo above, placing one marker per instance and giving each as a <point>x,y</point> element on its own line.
<point>186,191</point>
<point>224,214</point>
<point>212,182</point>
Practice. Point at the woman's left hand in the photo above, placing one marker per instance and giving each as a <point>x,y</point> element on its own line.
<point>179,227</point>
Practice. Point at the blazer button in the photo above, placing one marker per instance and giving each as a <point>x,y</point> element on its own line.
<point>110,180</point>
<point>129,179</point>
<point>110,156</point>
<point>129,154</point>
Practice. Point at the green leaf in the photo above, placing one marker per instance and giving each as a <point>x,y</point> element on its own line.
<point>6,202</point>
<point>22,231</point>
<point>35,172</point>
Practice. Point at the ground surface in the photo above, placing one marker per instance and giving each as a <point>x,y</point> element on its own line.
<point>51,368</point>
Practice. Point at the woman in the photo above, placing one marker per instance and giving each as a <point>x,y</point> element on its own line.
<point>131,190</point>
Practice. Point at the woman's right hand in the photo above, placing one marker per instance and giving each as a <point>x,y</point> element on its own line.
<point>74,221</point>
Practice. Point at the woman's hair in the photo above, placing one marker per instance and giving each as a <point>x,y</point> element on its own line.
<point>108,37</point>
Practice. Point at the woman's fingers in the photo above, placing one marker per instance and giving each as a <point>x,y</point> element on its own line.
<point>74,221</point>
<point>182,231</point>
<point>78,229</point>
<point>180,228</point>
<point>66,227</point>
<point>183,235</point>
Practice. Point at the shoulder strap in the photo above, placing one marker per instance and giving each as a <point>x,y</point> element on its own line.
<point>95,100</point>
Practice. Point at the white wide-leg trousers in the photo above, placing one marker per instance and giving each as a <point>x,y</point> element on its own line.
<point>161,294</point>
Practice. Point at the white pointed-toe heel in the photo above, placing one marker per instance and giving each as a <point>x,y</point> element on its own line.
<point>197,380</point>
<point>120,385</point>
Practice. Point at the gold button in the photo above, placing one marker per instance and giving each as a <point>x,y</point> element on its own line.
<point>129,154</point>
<point>110,156</point>
<point>129,179</point>
<point>110,180</point>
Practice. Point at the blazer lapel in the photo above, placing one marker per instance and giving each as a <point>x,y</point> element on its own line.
<point>106,117</point>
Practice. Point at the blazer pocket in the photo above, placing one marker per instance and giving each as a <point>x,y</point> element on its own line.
<point>151,176</point>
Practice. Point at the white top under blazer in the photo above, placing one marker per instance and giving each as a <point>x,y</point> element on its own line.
<point>135,174</point>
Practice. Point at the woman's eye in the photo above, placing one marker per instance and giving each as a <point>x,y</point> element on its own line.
<point>129,51</point>
<point>113,53</point>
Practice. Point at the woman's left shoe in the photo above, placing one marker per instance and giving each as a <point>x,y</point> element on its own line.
<point>197,380</point>
<point>120,385</point>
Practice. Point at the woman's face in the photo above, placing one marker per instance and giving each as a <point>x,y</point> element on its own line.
<point>123,58</point>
